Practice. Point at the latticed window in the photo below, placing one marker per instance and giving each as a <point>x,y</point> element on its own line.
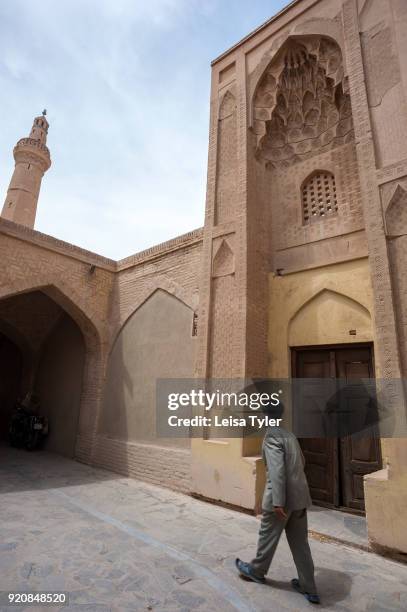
<point>319,197</point>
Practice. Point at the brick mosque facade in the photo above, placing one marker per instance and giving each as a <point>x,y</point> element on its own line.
<point>303,247</point>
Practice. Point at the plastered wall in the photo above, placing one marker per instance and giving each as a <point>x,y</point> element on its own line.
<point>144,351</point>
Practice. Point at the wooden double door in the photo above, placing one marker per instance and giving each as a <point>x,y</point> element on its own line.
<point>335,466</point>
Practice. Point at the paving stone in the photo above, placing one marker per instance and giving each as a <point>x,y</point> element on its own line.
<point>93,547</point>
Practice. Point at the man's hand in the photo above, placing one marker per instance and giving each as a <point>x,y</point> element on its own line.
<point>279,510</point>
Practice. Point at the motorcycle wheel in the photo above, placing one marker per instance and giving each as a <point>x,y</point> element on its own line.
<point>13,441</point>
<point>16,439</point>
<point>32,442</point>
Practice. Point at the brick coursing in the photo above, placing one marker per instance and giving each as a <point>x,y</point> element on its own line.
<point>164,466</point>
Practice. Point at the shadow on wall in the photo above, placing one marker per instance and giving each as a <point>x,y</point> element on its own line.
<point>155,342</point>
<point>59,384</point>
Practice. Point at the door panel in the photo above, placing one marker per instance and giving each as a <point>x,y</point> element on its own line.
<point>359,455</point>
<point>320,453</point>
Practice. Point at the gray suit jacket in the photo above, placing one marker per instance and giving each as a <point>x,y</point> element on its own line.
<point>286,483</point>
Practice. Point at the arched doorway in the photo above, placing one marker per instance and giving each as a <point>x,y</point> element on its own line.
<point>52,366</point>
<point>319,338</point>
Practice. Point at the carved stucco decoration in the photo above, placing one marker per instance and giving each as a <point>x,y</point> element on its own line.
<point>302,105</point>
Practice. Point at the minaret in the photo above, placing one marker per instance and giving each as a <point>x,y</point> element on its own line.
<point>32,160</point>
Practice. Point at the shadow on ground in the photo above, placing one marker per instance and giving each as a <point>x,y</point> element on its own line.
<point>22,470</point>
<point>334,585</point>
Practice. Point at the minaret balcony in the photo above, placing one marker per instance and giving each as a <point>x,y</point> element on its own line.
<point>33,143</point>
<point>30,150</point>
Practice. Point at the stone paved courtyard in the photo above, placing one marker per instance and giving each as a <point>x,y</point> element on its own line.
<point>117,544</point>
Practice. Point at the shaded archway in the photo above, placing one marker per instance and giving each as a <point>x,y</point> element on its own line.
<point>62,364</point>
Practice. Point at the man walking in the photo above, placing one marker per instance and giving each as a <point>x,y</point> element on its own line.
<point>285,502</point>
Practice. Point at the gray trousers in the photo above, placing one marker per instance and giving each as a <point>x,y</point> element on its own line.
<point>296,529</point>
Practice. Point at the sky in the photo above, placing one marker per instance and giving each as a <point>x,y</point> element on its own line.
<point>126,88</point>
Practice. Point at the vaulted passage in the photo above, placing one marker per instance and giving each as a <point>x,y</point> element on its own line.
<point>42,352</point>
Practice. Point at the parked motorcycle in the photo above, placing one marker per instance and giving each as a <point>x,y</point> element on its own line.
<point>27,428</point>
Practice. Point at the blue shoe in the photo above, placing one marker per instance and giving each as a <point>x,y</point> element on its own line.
<point>311,597</point>
<point>246,570</point>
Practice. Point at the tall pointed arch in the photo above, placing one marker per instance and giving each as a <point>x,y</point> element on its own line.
<point>227,162</point>
<point>396,213</point>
